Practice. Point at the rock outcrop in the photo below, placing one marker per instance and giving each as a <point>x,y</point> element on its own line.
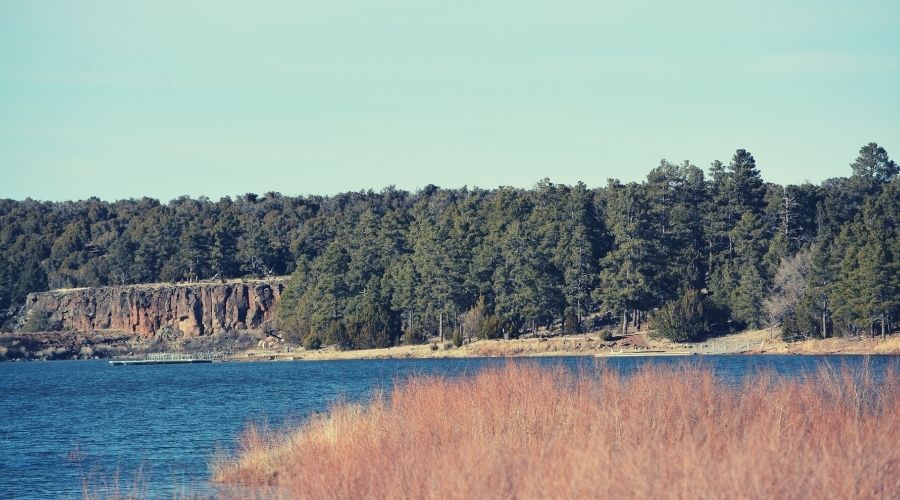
<point>184,309</point>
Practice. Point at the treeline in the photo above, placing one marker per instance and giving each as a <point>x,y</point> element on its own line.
<point>696,254</point>
<point>93,243</point>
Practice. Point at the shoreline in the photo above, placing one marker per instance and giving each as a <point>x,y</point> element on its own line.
<point>67,346</point>
<point>757,342</point>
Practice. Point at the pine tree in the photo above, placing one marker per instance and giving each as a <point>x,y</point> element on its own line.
<point>626,272</point>
<point>432,290</point>
<point>877,263</point>
<point>223,246</point>
<point>873,163</point>
<point>745,298</point>
<point>872,170</point>
<point>120,259</point>
<point>850,299</point>
<point>536,290</point>
<point>676,195</point>
<point>820,289</point>
<point>737,237</point>
<point>193,249</point>
<point>400,284</point>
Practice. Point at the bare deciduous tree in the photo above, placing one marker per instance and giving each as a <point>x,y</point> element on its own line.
<point>788,286</point>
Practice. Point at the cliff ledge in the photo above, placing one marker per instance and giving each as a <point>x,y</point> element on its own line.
<point>183,309</point>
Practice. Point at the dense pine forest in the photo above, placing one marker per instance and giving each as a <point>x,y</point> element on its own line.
<point>693,254</point>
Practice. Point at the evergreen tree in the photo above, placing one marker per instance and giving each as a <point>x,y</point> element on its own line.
<point>850,301</point>
<point>874,164</point>
<point>737,237</point>
<point>676,194</point>
<point>223,246</point>
<point>746,293</point>
<point>254,252</point>
<point>121,261</point>
<point>432,289</point>
<point>577,253</point>
<point>626,272</point>
<point>400,285</point>
<point>193,249</point>
<point>820,290</point>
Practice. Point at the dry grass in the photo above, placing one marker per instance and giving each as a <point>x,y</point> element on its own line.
<point>529,432</point>
<point>766,341</point>
<point>94,487</point>
<point>844,345</point>
<point>576,345</point>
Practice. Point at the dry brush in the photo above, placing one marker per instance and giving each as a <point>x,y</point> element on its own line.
<point>524,431</point>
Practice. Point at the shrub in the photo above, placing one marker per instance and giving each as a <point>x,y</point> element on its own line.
<point>489,328</point>
<point>570,322</point>
<point>457,339</point>
<point>167,334</point>
<point>292,316</point>
<point>336,335</point>
<point>312,342</point>
<point>471,319</point>
<point>410,337</point>
<point>40,321</point>
<point>372,326</point>
<point>803,321</point>
<point>685,319</point>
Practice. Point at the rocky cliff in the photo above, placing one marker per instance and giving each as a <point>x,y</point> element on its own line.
<point>182,310</point>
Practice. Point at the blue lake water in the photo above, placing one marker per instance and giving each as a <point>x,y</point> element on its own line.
<point>65,422</point>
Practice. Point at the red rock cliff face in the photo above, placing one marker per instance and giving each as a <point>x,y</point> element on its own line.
<point>191,308</point>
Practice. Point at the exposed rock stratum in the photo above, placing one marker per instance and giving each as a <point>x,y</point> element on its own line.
<point>188,309</point>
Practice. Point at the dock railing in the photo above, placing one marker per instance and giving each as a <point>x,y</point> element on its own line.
<point>728,347</point>
<point>181,356</point>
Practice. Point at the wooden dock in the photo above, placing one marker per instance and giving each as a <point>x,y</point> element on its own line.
<point>638,354</point>
<point>169,358</point>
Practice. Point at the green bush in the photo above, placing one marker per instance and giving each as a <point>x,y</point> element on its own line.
<point>570,322</point>
<point>458,338</point>
<point>686,319</point>
<point>373,326</point>
<point>312,342</point>
<point>489,328</point>
<point>803,322</point>
<point>336,335</point>
<point>39,321</point>
<point>410,337</point>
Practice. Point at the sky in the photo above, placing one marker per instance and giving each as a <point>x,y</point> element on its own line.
<point>122,98</point>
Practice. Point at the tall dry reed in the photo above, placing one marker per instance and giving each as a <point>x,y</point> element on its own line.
<point>523,431</point>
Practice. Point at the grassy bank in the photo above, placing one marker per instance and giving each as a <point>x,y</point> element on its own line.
<point>527,432</point>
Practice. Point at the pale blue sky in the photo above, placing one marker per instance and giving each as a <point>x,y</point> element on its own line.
<point>123,98</point>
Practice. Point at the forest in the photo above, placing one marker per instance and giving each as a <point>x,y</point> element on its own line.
<point>691,253</point>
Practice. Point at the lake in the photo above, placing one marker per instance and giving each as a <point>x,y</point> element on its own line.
<point>64,421</point>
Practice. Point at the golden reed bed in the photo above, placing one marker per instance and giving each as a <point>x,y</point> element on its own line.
<point>523,431</point>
